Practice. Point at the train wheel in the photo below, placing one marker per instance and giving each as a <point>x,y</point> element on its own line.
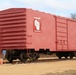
<point>8,56</point>
<point>71,55</point>
<point>66,57</point>
<point>75,54</point>
<point>9,59</point>
<point>33,56</point>
<point>59,57</point>
<point>23,57</point>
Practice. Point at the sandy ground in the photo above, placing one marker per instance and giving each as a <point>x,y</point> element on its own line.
<point>41,67</point>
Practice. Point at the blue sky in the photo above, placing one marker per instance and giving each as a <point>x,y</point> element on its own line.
<point>58,7</point>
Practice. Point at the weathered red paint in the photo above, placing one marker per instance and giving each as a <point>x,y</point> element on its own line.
<point>22,28</point>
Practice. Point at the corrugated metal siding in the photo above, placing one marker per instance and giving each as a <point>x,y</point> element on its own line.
<point>13,29</point>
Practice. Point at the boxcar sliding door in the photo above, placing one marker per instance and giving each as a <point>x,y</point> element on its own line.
<point>61,34</point>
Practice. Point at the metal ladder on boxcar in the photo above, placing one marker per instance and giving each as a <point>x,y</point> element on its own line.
<point>61,34</point>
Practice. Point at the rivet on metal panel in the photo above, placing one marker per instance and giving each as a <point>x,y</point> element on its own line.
<point>31,43</point>
<point>29,35</point>
<point>28,43</point>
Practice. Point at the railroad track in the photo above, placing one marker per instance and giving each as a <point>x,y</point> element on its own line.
<point>41,60</point>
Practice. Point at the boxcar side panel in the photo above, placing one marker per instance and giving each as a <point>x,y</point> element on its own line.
<point>42,37</point>
<point>72,35</point>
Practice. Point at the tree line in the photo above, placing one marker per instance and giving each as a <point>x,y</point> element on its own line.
<point>73,16</point>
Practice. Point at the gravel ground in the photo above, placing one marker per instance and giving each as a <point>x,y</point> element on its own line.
<point>69,72</point>
<point>50,66</point>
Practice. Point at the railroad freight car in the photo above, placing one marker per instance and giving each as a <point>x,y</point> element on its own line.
<point>25,33</point>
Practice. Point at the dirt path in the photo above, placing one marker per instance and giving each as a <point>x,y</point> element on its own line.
<point>64,67</point>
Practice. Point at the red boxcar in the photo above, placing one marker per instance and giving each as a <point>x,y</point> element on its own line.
<point>24,33</point>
